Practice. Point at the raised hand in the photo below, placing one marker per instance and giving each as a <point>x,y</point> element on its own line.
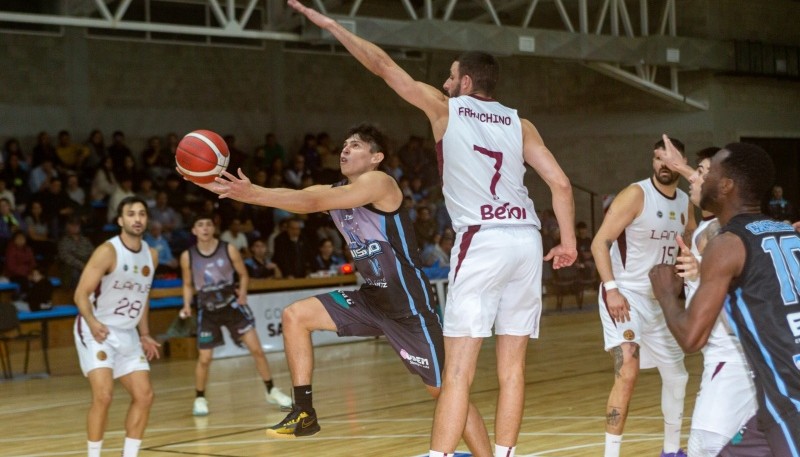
<point>688,266</point>
<point>313,15</point>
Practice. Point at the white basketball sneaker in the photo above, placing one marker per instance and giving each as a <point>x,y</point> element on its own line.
<point>276,397</point>
<point>200,407</point>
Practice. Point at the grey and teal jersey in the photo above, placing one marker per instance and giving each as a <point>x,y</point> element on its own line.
<point>385,252</point>
<point>764,307</point>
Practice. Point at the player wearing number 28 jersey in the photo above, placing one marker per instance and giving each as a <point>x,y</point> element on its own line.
<point>112,333</point>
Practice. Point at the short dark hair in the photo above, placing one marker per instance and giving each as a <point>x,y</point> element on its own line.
<point>130,201</point>
<point>751,168</point>
<point>707,153</point>
<point>675,142</point>
<point>482,68</point>
<point>202,216</point>
<point>371,134</point>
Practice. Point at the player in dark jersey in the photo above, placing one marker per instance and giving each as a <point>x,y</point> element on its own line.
<point>396,299</point>
<point>752,269</point>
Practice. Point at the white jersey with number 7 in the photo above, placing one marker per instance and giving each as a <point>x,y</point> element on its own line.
<point>482,165</point>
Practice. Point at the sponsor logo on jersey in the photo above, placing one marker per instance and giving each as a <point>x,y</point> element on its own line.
<point>660,214</point>
<point>500,213</point>
<point>136,269</point>
<point>102,356</point>
<point>146,271</point>
<point>629,335</point>
<point>414,360</point>
<point>672,215</point>
<point>125,267</point>
<point>759,227</point>
<point>364,251</point>
<point>664,235</point>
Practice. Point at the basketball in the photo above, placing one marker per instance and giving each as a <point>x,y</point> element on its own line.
<point>202,155</point>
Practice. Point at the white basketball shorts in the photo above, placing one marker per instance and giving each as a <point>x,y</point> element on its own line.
<point>121,351</point>
<point>727,398</point>
<point>647,328</point>
<point>495,280</point>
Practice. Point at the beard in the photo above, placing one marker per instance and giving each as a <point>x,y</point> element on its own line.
<point>667,180</point>
<point>455,92</point>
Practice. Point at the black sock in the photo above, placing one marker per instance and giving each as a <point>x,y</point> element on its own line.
<point>200,393</point>
<point>302,397</point>
<point>269,385</point>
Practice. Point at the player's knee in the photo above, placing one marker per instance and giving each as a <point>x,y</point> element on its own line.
<point>292,315</point>
<point>102,397</point>
<point>675,377</point>
<point>204,359</point>
<point>144,397</point>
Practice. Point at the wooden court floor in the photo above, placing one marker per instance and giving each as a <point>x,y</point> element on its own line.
<point>367,403</point>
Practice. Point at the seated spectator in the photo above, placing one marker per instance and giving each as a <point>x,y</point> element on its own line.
<point>129,168</point>
<point>118,151</point>
<point>39,178</point>
<point>259,265</point>
<point>438,254</point>
<point>418,191</point>
<point>105,182</point>
<point>310,153</point>
<point>10,223</point>
<point>44,150</point>
<point>293,176</point>
<point>292,253</point>
<point>146,191</point>
<point>16,178</point>
<point>167,263</point>
<point>157,162</point>
<point>272,151</point>
<point>234,236</point>
<point>38,232</point>
<point>326,229</point>
<point>74,250</point>
<point>394,167</point>
<point>326,260</point>
<point>71,155</point>
<point>7,194</point>
<point>56,206</point>
<point>20,267</point>
<point>123,190</point>
<point>97,153</point>
<point>425,227</point>
<point>780,208</point>
<point>74,190</point>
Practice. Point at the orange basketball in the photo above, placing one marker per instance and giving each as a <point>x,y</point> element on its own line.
<point>202,155</point>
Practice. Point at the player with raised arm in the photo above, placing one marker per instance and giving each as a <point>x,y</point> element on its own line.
<point>495,278</point>
<point>396,299</point>
<point>113,299</point>
<point>727,397</point>
<point>752,270</point>
<point>640,230</point>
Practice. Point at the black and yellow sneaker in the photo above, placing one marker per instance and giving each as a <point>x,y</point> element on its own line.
<point>296,423</point>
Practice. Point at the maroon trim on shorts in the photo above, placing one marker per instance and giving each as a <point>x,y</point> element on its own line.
<point>80,330</point>
<point>466,240</point>
<point>718,369</point>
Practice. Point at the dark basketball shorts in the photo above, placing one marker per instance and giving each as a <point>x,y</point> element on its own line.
<point>417,339</point>
<point>777,440</point>
<point>237,318</point>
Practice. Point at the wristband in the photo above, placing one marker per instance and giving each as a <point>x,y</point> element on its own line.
<point>610,285</point>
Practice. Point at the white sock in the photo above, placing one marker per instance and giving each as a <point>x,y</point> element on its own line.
<point>131,448</point>
<point>503,451</point>
<point>94,448</point>
<point>672,437</point>
<point>613,443</point>
<point>437,454</point>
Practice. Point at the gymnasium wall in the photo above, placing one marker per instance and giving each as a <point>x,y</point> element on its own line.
<point>601,130</point>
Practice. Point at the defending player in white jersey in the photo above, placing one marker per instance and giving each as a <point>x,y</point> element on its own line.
<point>727,397</point>
<point>640,230</point>
<point>496,264</point>
<point>112,297</point>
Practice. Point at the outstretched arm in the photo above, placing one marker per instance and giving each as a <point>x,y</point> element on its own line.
<point>425,97</point>
<point>374,187</point>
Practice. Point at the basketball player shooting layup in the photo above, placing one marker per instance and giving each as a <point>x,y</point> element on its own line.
<point>495,279</point>
<point>396,298</point>
<point>113,299</point>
